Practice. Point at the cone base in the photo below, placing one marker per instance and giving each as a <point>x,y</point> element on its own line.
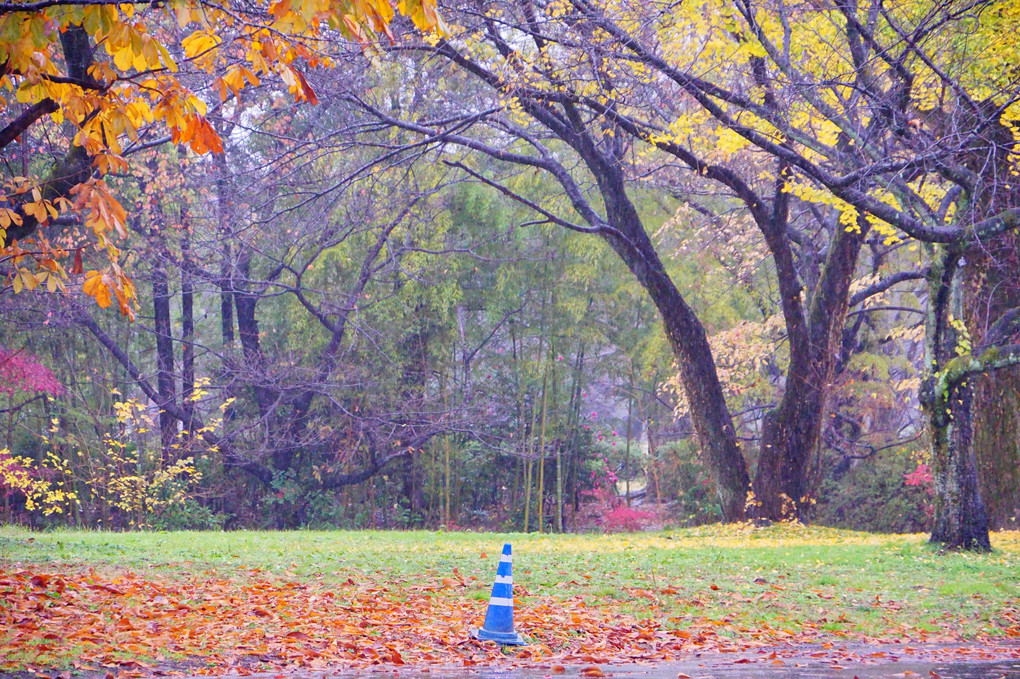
<point>504,638</point>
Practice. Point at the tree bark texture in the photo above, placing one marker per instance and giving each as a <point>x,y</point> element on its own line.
<point>710,415</point>
<point>165,379</point>
<point>791,431</point>
<point>959,521</point>
<point>187,335</point>
<point>997,446</point>
<point>992,288</point>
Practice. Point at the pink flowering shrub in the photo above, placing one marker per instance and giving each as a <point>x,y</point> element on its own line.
<point>20,371</point>
<point>919,477</point>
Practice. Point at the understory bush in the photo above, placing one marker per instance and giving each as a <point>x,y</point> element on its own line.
<point>885,493</point>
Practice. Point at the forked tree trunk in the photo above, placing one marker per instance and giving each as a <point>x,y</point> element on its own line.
<point>791,431</point>
<point>789,435</point>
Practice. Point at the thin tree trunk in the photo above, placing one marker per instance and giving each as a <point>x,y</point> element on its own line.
<point>165,380</point>
<point>224,215</point>
<point>527,495</point>
<point>575,429</point>
<point>187,333</point>
<point>446,481</point>
<point>519,475</point>
<point>626,433</point>
<point>652,459</point>
<point>541,448</point>
<point>371,502</point>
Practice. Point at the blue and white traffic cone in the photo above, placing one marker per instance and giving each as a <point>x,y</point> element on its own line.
<point>499,619</point>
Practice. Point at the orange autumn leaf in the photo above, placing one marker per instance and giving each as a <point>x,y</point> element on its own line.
<point>97,288</point>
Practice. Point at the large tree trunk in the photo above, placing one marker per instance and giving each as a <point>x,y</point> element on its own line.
<point>978,294</point>
<point>993,287</point>
<point>791,431</point>
<point>997,445</point>
<point>959,521</point>
<point>710,415</point>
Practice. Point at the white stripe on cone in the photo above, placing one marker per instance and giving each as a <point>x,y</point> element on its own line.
<point>504,579</point>
<point>499,601</point>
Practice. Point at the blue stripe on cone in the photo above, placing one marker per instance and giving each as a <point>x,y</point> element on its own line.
<point>499,618</point>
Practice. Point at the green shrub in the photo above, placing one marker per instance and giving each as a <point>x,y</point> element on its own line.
<point>873,496</point>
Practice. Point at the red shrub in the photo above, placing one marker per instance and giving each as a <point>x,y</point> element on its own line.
<point>626,519</point>
<point>21,371</point>
<point>919,477</point>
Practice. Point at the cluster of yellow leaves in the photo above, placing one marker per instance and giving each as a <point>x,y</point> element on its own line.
<point>22,475</point>
<point>129,472</point>
<point>742,353</point>
<point>141,495</point>
<point>47,271</point>
<point>849,216</point>
<point>113,283</point>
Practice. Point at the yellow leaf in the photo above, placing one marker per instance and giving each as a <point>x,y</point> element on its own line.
<point>123,57</point>
<point>198,42</point>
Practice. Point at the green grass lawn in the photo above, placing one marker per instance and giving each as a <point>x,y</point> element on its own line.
<point>847,584</point>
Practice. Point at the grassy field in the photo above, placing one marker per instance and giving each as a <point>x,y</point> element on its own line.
<point>718,571</point>
<point>741,581</point>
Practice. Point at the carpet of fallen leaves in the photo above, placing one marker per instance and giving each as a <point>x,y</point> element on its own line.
<point>257,621</point>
